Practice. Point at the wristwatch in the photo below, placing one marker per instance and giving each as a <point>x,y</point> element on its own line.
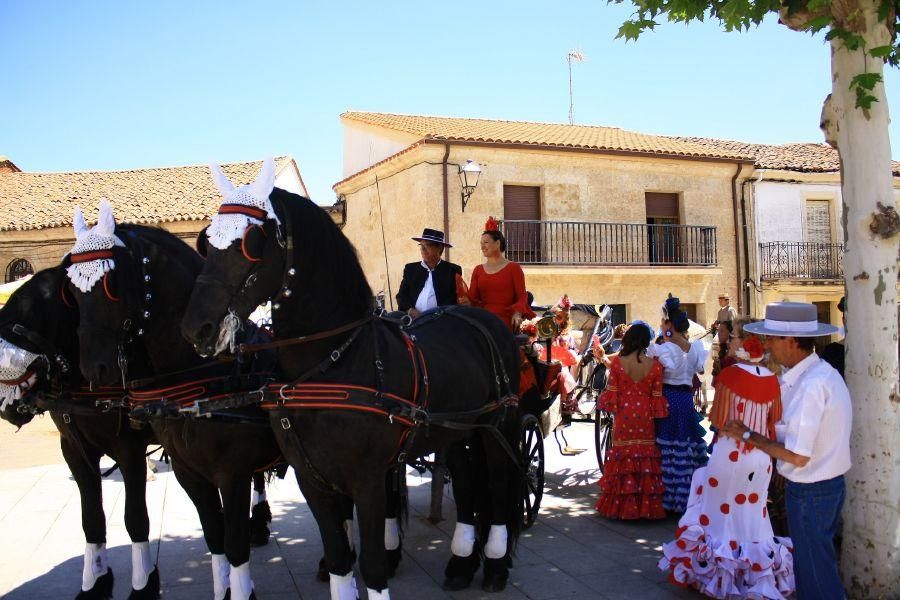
<point>746,435</point>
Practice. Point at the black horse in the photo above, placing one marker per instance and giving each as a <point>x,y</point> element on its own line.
<point>346,416</point>
<point>40,320</point>
<point>129,329</point>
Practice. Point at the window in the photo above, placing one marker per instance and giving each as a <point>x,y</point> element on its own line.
<point>523,240</point>
<point>618,314</point>
<point>17,269</point>
<point>818,221</point>
<point>690,309</point>
<point>662,238</point>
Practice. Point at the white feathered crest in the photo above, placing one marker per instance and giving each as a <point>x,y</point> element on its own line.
<point>225,229</point>
<point>100,237</point>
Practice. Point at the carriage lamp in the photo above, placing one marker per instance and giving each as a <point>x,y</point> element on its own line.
<point>468,178</point>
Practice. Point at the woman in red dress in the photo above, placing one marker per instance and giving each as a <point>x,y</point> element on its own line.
<point>632,486</point>
<point>498,285</point>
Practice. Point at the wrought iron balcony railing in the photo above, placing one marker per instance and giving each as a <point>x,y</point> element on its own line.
<point>801,260</point>
<point>594,243</point>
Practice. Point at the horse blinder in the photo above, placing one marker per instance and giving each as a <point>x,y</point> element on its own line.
<point>253,244</point>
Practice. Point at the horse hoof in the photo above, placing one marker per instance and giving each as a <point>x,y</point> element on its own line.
<point>260,518</point>
<point>460,571</point>
<point>496,574</point>
<point>322,573</point>
<point>393,559</point>
<point>262,511</point>
<point>149,591</point>
<point>102,589</point>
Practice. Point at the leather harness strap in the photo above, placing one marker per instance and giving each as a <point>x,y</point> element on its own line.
<point>250,348</point>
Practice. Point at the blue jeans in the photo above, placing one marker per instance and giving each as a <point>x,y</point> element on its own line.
<point>812,512</point>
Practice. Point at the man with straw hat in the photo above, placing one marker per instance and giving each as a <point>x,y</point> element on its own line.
<point>813,442</point>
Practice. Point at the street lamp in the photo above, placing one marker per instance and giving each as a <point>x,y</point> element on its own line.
<point>468,178</point>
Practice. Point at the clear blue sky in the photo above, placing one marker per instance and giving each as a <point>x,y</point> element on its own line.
<point>118,85</point>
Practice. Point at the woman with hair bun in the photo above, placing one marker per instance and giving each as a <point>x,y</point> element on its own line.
<point>631,486</point>
<point>680,435</point>
<point>498,285</point>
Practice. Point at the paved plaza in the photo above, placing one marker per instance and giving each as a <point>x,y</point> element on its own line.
<point>570,553</point>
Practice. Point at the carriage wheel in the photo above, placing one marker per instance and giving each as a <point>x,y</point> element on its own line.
<point>603,433</point>
<point>532,450</point>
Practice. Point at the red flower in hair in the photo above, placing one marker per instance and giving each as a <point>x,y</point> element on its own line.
<point>528,328</point>
<point>565,302</point>
<point>491,225</point>
<point>754,347</point>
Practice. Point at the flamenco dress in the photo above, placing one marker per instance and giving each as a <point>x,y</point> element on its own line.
<point>502,293</point>
<point>631,486</point>
<point>724,545</point>
<point>680,435</point>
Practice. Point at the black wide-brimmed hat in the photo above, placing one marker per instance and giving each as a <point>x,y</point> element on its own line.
<point>434,236</point>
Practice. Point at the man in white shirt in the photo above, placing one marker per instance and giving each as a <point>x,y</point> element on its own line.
<point>812,446</point>
<point>430,282</point>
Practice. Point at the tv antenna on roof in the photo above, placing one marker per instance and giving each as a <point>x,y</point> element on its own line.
<point>577,56</point>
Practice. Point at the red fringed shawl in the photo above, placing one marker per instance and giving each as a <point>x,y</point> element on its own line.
<point>755,400</point>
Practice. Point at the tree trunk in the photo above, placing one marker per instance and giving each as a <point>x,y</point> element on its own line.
<point>871,546</point>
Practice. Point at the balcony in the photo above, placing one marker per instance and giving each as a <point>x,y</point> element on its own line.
<point>592,243</point>
<point>809,261</point>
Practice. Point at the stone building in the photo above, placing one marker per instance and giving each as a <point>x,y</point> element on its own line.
<point>795,230</point>
<point>36,208</point>
<point>603,214</point>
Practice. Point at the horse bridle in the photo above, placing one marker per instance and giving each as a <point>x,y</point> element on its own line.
<point>285,241</point>
<point>139,305</point>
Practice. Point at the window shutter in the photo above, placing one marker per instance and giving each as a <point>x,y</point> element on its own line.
<point>661,205</point>
<point>818,221</point>
<point>521,203</point>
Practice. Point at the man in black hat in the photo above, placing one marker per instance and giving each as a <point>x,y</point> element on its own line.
<point>430,282</point>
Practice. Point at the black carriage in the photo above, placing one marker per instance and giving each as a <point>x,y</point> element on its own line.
<point>552,410</point>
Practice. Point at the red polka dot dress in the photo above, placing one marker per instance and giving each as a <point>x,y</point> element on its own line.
<point>724,544</point>
<point>631,486</point>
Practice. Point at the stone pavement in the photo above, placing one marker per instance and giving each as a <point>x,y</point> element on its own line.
<point>569,553</point>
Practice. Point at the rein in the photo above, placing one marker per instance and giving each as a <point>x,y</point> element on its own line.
<point>249,348</point>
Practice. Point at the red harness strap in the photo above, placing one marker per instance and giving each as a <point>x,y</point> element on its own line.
<point>18,381</point>
<point>333,396</point>
<point>181,394</point>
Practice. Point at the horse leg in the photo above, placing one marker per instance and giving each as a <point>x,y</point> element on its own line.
<point>465,558</point>
<point>144,574</point>
<point>346,508</point>
<point>205,497</point>
<point>260,513</point>
<point>97,577</point>
<point>370,508</point>
<point>236,508</point>
<point>497,558</point>
<point>330,511</point>
<point>393,543</point>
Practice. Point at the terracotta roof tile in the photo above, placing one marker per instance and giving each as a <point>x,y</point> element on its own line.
<point>801,157</point>
<point>40,200</point>
<point>541,134</point>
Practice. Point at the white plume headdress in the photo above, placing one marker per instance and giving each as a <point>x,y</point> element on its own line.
<point>85,274</point>
<point>14,363</point>
<point>227,227</point>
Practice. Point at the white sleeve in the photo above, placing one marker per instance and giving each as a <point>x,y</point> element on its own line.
<point>663,354</point>
<point>803,426</point>
<point>698,349</point>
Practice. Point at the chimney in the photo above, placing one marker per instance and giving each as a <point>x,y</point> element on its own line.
<point>7,166</point>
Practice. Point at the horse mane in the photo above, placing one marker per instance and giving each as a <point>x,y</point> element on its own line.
<point>329,262</point>
<point>168,242</point>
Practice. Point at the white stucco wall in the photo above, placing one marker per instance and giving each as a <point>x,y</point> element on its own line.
<point>288,180</point>
<point>365,145</point>
<point>781,213</point>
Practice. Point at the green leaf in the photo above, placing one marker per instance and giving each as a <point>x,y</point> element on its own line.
<point>865,81</point>
<point>817,24</point>
<point>881,51</point>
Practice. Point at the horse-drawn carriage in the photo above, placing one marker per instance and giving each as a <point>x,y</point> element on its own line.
<point>551,407</point>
